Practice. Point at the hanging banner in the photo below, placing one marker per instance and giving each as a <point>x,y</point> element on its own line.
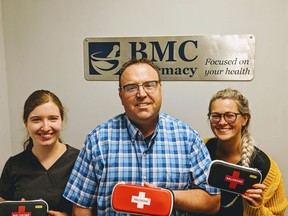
<point>180,58</point>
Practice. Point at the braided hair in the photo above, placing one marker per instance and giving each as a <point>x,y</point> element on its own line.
<point>247,142</point>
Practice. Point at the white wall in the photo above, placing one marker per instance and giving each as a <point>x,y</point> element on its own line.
<point>44,50</point>
<point>5,142</point>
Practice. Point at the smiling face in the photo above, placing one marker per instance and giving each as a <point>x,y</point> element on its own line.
<point>142,107</point>
<point>224,131</point>
<point>44,124</point>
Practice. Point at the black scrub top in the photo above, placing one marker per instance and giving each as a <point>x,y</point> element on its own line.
<point>24,176</point>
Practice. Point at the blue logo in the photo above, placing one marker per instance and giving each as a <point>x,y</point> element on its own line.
<point>104,58</point>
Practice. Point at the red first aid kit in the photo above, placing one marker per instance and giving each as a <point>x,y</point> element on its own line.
<point>141,200</point>
<point>231,177</point>
<point>24,208</point>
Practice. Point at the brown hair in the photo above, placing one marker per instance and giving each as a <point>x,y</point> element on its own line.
<point>37,98</point>
<point>139,61</point>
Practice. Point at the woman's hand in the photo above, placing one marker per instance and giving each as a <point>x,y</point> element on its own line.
<point>255,195</point>
<point>56,213</point>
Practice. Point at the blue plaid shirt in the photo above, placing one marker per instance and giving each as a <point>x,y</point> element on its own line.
<point>176,158</point>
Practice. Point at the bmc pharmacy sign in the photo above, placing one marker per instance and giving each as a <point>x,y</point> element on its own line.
<point>180,58</point>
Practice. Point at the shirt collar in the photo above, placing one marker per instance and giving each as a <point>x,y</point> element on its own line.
<point>134,132</point>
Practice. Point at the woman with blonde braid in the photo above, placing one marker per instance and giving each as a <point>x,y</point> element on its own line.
<point>229,117</point>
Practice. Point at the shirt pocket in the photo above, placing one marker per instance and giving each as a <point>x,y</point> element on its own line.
<point>175,178</point>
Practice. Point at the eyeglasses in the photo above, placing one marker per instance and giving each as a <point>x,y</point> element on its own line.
<point>229,117</point>
<point>148,87</point>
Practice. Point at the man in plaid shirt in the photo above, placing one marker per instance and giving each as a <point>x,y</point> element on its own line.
<point>142,145</point>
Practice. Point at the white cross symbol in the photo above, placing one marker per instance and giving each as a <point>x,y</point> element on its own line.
<point>141,200</point>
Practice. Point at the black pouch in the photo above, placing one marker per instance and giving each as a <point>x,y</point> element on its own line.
<point>24,208</point>
<point>231,177</point>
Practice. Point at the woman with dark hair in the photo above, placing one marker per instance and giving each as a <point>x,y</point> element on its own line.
<point>229,116</point>
<point>42,169</point>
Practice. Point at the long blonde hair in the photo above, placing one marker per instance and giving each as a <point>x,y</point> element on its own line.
<point>247,142</point>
